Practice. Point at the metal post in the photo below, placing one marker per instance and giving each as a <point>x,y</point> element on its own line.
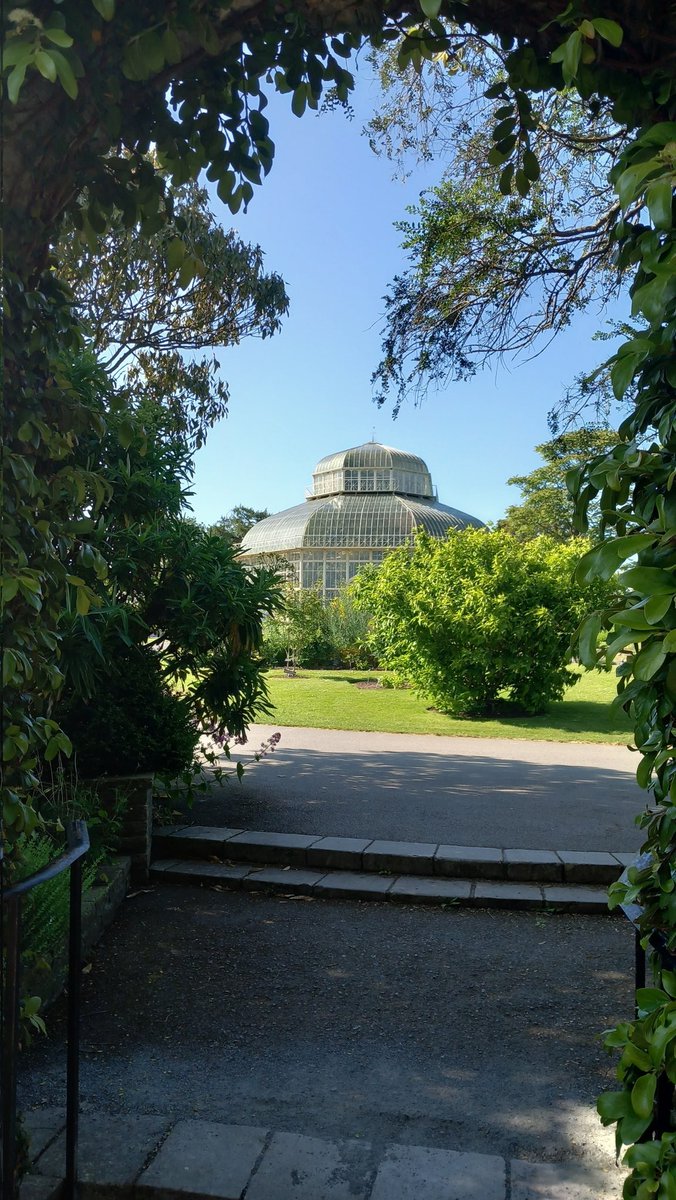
<point>10,1046</point>
<point>73,1051</point>
<point>663,1101</point>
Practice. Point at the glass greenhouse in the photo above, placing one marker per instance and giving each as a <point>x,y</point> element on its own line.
<point>363,502</point>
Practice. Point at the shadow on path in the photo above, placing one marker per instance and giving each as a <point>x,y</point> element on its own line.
<point>470,800</point>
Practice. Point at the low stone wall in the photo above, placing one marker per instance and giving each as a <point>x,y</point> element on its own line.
<point>99,905</point>
<point>137,827</point>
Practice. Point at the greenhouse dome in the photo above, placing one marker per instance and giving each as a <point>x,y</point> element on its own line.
<point>363,502</point>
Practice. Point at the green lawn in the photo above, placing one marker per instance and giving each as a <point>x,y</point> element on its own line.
<point>332,700</point>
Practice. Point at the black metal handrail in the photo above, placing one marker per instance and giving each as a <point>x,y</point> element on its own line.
<point>77,838</point>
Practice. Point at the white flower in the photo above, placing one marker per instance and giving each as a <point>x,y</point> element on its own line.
<point>22,17</point>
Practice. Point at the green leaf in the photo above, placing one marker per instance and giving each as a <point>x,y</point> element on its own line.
<point>10,586</point>
<point>667,1185</point>
<point>505,181</point>
<point>644,771</point>
<point>649,999</point>
<point>657,608</point>
<point>15,81</point>
<point>299,101</point>
<point>45,65</point>
<point>622,373</point>
<point>431,8</point>
<point>631,1128</point>
<point>668,979</point>
<point>59,37</point>
<point>659,198</point>
<point>66,74</point>
<point>175,254</point>
<point>531,166</point>
<point>82,603</point>
<point>612,1106</point>
<point>171,47</point>
<point>495,156</point>
<point>633,618</point>
<point>669,642</point>
<point>588,638</point>
<point>652,581</point>
<point>600,562</point>
<point>52,749</point>
<point>610,31</point>
<point>643,1095</point>
<point>522,183</point>
<point>105,8</point>
<point>571,56</point>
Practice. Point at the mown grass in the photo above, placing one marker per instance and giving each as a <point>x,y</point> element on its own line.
<point>332,700</point>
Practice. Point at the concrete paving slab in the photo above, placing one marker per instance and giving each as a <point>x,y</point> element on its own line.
<point>577,899</point>
<point>424,1173</point>
<point>527,865</point>
<point>203,1158</point>
<point>580,866</point>
<point>507,895</point>
<point>198,840</point>
<point>354,884</point>
<point>305,1168</point>
<point>414,888</point>
<point>563,1181</point>
<point>625,860</point>
<point>469,862</point>
<point>42,1125</point>
<point>276,879</point>
<point>253,846</point>
<point>40,1187</point>
<point>416,858</point>
<point>111,1152</point>
<point>194,871</point>
<point>337,852</point>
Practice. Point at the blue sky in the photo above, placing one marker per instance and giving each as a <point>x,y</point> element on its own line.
<point>325,219</point>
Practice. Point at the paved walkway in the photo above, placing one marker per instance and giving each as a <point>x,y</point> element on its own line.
<point>149,1157</point>
<point>458,791</point>
<point>323,1067</point>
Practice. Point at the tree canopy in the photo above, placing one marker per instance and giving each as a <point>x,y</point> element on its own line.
<point>496,260</point>
<point>547,507</point>
<point>143,305</point>
<point>235,524</point>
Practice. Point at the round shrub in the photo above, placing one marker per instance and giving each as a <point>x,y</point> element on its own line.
<point>478,621</point>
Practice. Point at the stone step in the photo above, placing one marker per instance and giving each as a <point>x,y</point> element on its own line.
<point>571,867</point>
<point>364,885</point>
<point>150,1157</point>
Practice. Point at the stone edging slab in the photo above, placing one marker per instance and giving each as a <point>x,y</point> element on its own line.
<point>149,1157</point>
<point>362,885</point>
<point>512,865</point>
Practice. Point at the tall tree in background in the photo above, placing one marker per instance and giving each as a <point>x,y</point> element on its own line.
<point>547,507</point>
<point>235,524</point>
<point>149,301</point>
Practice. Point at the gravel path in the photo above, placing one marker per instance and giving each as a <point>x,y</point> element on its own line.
<point>467,1030</point>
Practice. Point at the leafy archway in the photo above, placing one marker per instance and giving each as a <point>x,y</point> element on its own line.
<point>91,88</point>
